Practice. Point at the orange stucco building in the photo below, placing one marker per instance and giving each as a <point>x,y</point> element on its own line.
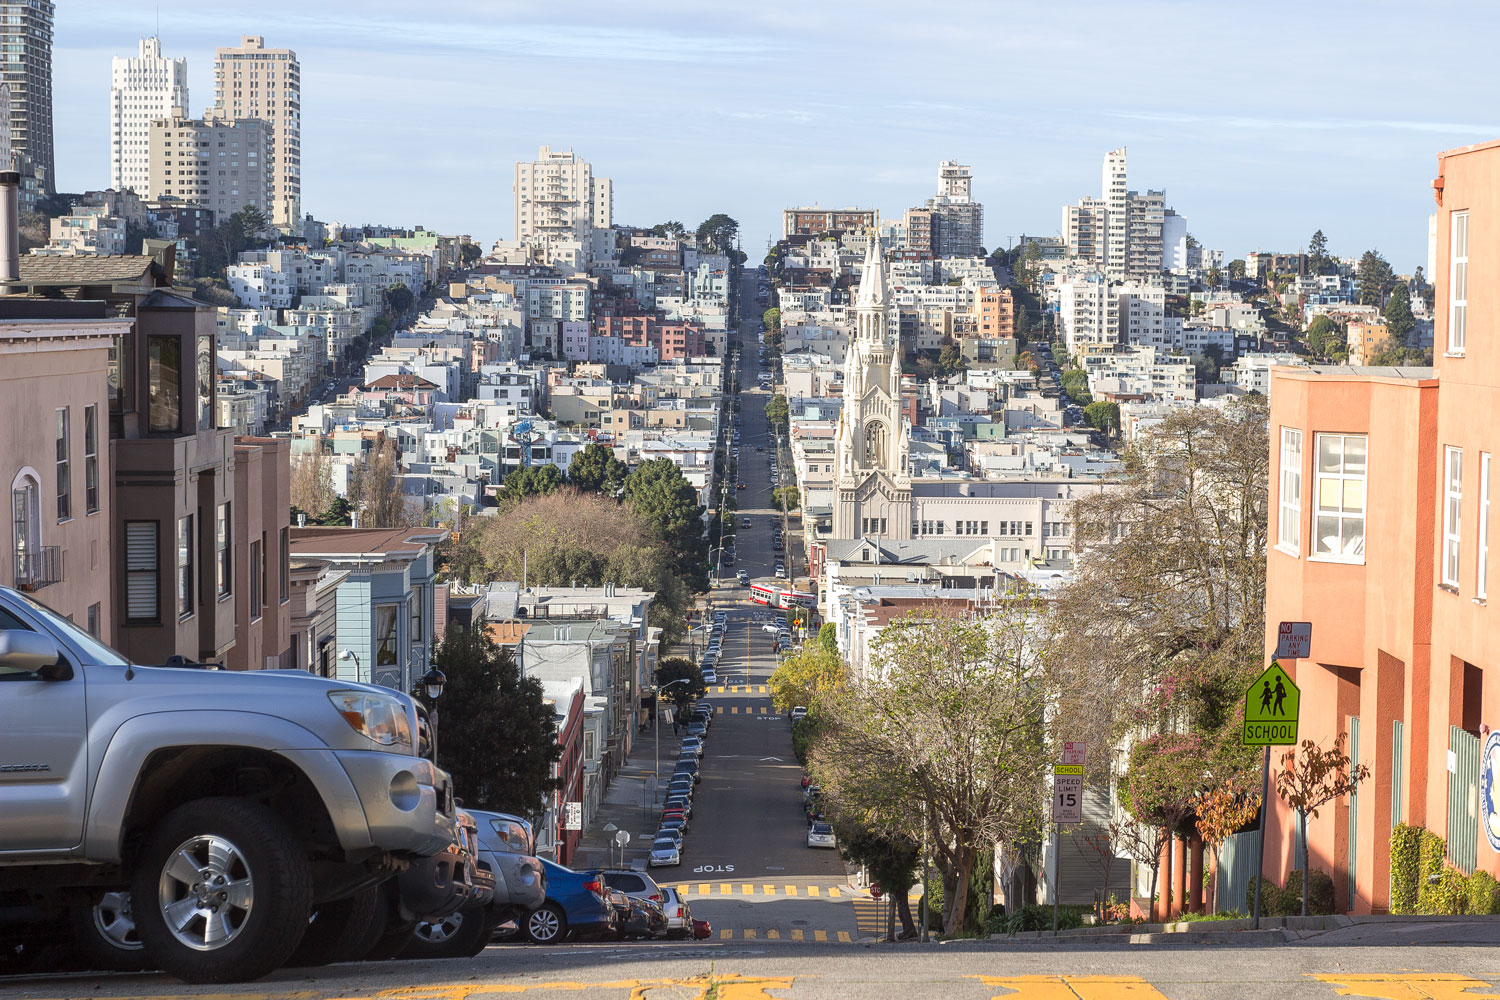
<point>1380,525</point>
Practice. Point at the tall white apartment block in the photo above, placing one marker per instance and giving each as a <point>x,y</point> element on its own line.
<point>252,81</point>
<point>559,198</point>
<point>954,180</point>
<point>1116,226</point>
<point>143,89</point>
<point>1121,232</point>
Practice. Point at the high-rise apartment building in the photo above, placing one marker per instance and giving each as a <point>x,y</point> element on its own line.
<point>143,89</point>
<point>221,165</point>
<point>954,221</point>
<point>26,44</point>
<point>252,81</point>
<point>1121,232</point>
<point>558,197</point>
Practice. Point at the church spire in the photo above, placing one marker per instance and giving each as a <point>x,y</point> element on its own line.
<point>872,289</point>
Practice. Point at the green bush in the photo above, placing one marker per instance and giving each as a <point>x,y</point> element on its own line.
<point>1270,897</point>
<point>935,903</point>
<point>1276,901</point>
<point>1405,877</point>
<point>1430,851</point>
<point>1038,917</point>
<point>1483,894</point>
<point>1450,893</point>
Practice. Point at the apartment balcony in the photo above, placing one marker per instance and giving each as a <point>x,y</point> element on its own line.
<point>38,568</point>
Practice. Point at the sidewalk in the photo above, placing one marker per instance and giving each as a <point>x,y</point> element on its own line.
<point>627,806</point>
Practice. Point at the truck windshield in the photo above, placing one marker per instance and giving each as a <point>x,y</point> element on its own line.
<point>96,651</point>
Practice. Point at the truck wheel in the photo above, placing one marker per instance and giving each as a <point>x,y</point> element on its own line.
<point>222,891</point>
<point>106,934</point>
<point>546,925</point>
<point>340,931</point>
<point>458,935</point>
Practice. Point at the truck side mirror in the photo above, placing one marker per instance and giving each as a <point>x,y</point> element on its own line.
<point>32,653</point>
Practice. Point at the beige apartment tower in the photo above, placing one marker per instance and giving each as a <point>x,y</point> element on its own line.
<point>558,197</point>
<point>142,89</point>
<point>252,81</point>
<point>220,165</point>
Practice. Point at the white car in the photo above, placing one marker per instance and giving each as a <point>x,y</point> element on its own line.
<point>679,914</point>
<point>780,571</point>
<point>710,676</point>
<point>664,852</point>
<point>769,627</point>
<point>821,835</point>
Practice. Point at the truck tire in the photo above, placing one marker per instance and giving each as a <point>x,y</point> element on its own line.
<point>106,935</point>
<point>222,891</point>
<point>459,935</point>
<point>341,931</point>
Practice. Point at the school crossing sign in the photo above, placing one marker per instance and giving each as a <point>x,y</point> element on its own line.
<point>1271,706</point>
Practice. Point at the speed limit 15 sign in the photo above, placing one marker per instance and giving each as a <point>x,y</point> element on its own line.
<point>1067,793</point>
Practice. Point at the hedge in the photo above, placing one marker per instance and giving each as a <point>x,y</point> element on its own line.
<point>1422,882</point>
<point>1404,879</point>
<point>1276,901</point>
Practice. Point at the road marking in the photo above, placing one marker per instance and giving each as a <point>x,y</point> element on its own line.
<point>747,889</point>
<point>797,935</point>
<point>791,890</point>
<point>820,936</point>
<point>726,934</point>
<point>763,710</point>
<point>813,890</point>
<point>1073,988</point>
<point>769,890</point>
<point>773,934</point>
<point>703,888</point>
<point>749,933</point>
<point>1408,986</point>
<point>724,889</point>
<point>843,937</point>
<point>833,891</point>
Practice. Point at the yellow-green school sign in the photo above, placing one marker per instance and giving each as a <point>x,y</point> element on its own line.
<point>1271,706</point>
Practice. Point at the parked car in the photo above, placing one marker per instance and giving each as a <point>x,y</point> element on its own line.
<point>679,914</point>
<point>635,917</point>
<point>574,905</point>
<point>353,741</point>
<point>820,835</point>
<point>702,930</point>
<point>743,578</point>
<point>798,714</point>
<point>745,523</point>
<point>710,676</point>
<point>664,853</point>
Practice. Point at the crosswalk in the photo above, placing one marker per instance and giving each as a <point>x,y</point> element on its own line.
<point>795,934</point>
<point>740,689</point>
<point>701,889</point>
<point>743,710</point>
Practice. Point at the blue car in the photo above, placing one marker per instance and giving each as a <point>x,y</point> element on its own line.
<point>575,904</point>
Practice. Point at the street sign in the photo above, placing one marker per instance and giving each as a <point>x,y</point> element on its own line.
<point>1073,752</point>
<point>573,820</point>
<point>1067,793</point>
<point>622,838</point>
<point>1294,640</point>
<point>1271,706</point>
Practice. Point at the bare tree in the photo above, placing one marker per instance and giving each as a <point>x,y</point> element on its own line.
<point>312,480</point>
<point>375,487</point>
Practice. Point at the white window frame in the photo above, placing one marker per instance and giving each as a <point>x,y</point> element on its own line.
<point>1482,570</point>
<point>1458,283</point>
<point>1289,518</point>
<point>1341,477</point>
<point>1453,505</point>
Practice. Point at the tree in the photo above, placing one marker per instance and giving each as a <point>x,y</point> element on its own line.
<point>496,734</point>
<point>1317,253</point>
<point>771,320</point>
<point>531,481</point>
<point>786,497</point>
<point>828,637</point>
<point>1322,336</point>
<point>595,469</point>
<point>1075,385</point>
<point>945,731</point>
<point>1165,776</point>
<point>1103,415</point>
<point>680,695</point>
<point>1164,623</point>
<point>950,359</point>
<point>1375,278</point>
<point>1398,318</point>
<point>375,487</point>
<point>339,512</point>
<point>1215,277</point>
<point>777,414</point>
<point>1237,269</point>
<point>312,480</point>
<point>1222,811</point>
<point>1308,784</point>
<point>671,229</point>
<point>717,233</point>
<point>890,859</point>
<point>399,299</point>
<point>657,491</point>
<point>469,253</point>
<point>807,677</point>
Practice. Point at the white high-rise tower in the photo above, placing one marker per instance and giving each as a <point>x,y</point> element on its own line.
<point>874,436</point>
<point>142,89</point>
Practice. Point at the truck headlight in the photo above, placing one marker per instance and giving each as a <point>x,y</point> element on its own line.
<point>380,718</point>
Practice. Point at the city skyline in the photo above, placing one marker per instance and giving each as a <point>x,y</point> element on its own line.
<point>1218,129</point>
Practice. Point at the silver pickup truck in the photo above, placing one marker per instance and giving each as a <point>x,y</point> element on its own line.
<point>229,806</point>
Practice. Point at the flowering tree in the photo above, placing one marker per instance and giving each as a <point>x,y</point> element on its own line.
<point>1308,784</point>
<point>1222,810</point>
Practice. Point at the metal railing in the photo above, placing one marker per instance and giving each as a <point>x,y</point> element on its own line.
<point>39,567</point>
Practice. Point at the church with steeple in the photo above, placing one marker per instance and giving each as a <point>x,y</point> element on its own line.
<point>873,482</point>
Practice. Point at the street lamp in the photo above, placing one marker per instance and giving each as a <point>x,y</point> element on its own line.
<point>349,654</point>
<point>656,724</point>
<point>431,683</point>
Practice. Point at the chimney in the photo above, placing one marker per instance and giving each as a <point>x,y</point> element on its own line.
<point>301,520</point>
<point>10,227</point>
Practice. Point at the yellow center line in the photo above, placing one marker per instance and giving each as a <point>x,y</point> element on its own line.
<point>1074,987</point>
<point>1407,986</point>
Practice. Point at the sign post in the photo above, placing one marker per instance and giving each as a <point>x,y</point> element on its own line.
<point>1067,807</point>
<point>1272,704</point>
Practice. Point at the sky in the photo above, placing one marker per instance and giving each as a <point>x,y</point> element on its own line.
<point>1262,122</point>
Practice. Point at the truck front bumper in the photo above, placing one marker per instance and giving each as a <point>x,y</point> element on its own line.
<point>407,801</point>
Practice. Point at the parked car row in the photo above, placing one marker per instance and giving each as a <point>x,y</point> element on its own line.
<point>708,664</point>
<point>666,847</point>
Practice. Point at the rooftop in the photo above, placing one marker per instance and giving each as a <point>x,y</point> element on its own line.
<point>344,544</point>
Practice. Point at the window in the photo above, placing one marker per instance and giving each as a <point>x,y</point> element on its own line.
<point>224,580</point>
<point>385,635</point>
<point>93,620</point>
<point>1458,283</point>
<point>1481,586</point>
<point>141,571</point>
<point>286,565</point>
<point>164,380</point>
<point>1453,495</point>
<point>185,565</point>
<point>91,458</point>
<point>64,471</point>
<point>1340,526</point>
<point>256,568</point>
<point>1289,524</point>
<point>416,616</point>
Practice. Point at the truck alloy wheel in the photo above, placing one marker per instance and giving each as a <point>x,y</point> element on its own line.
<point>222,891</point>
<point>459,935</point>
<point>106,934</point>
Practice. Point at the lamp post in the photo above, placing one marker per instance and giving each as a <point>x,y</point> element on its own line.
<point>431,684</point>
<point>349,654</point>
<point>656,724</point>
